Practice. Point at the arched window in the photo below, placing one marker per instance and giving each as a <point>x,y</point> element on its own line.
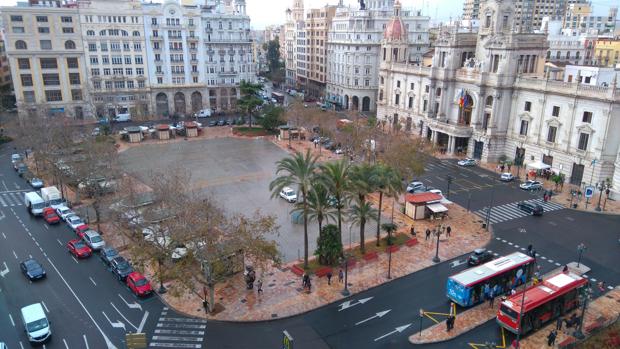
<point>69,45</point>
<point>90,33</point>
<point>20,45</point>
<point>489,101</point>
<point>124,33</point>
<point>102,33</point>
<point>136,33</point>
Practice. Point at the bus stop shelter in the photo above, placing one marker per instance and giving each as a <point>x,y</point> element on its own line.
<point>416,205</point>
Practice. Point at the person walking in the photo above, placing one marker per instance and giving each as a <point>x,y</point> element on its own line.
<point>565,270</point>
<point>340,275</point>
<point>412,230</point>
<point>329,277</point>
<point>305,280</point>
<point>428,233</point>
<point>558,323</point>
<point>448,231</point>
<point>551,338</point>
<point>309,285</point>
<point>259,286</point>
<point>529,249</point>
<point>491,298</point>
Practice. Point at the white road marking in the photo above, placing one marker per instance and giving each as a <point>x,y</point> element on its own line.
<point>558,264</point>
<point>509,243</point>
<point>123,316</point>
<point>14,254</point>
<point>516,246</point>
<point>3,235</point>
<point>46,226</point>
<point>93,281</point>
<point>118,324</point>
<point>12,322</point>
<point>543,257</point>
<point>550,261</point>
<point>59,242</point>
<point>497,239</point>
<point>66,345</point>
<point>132,305</point>
<point>75,260</point>
<point>143,322</point>
<point>45,306</point>
<point>85,341</point>
<point>610,288</point>
<point>5,187</point>
<point>593,279</point>
<point>21,345</point>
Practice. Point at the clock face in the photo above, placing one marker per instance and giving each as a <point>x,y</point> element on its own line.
<point>171,12</point>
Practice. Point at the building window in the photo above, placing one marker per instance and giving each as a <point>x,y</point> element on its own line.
<point>583,141</point>
<point>69,45</point>
<point>45,44</point>
<point>67,30</point>
<point>20,45</point>
<point>425,105</point>
<point>66,19</point>
<point>29,96</point>
<point>76,95</point>
<point>53,95</point>
<point>397,99</point>
<point>48,63</point>
<point>380,95</point>
<point>487,21</point>
<point>551,134</point>
<point>411,86</point>
<point>74,78</point>
<point>51,80</point>
<point>72,62</point>
<point>427,88</point>
<point>41,18</point>
<point>528,106</point>
<point>587,116</point>
<point>26,79</point>
<point>397,83</point>
<point>140,71</point>
<point>18,30</point>
<point>95,71</point>
<point>556,111</point>
<point>23,63</point>
<point>17,18</point>
<point>44,30</point>
<point>410,104</point>
<point>524,125</point>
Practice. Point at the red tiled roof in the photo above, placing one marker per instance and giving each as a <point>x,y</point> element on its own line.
<point>420,198</point>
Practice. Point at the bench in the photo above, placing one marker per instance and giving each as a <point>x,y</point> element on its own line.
<point>297,270</point>
<point>412,242</point>
<point>322,271</point>
<point>370,256</point>
<point>392,248</point>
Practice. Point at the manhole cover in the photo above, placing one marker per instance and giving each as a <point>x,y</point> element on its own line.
<point>274,315</point>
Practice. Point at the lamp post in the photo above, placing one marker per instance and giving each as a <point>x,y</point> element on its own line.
<point>527,273</point>
<point>345,291</point>
<point>600,187</point>
<point>488,218</point>
<point>421,316</point>
<point>449,179</point>
<point>436,258</point>
<point>584,297</point>
<point>389,262</point>
<point>580,248</point>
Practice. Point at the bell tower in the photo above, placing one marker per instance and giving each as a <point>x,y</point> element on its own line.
<point>298,10</point>
<point>394,44</point>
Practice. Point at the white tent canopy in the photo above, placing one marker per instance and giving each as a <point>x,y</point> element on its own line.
<point>437,208</point>
<point>538,165</point>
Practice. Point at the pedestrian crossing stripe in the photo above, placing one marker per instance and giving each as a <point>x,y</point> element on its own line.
<point>510,211</point>
<point>178,332</point>
<point>10,199</point>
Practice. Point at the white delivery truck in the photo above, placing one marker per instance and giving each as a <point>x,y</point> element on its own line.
<point>205,113</point>
<point>52,197</point>
<point>122,117</point>
<point>35,323</point>
<point>34,203</point>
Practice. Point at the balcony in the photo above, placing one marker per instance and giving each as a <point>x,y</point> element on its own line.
<point>227,73</point>
<point>192,38</point>
<point>157,38</point>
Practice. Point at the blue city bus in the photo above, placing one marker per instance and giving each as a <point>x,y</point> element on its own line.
<point>498,276</point>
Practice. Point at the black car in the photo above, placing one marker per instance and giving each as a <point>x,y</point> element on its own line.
<point>121,268</point>
<point>32,269</point>
<point>230,122</point>
<point>107,254</point>
<point>533,209</point>
<point>480,256</point>
<point>221,122</point>
<point>212,123</point>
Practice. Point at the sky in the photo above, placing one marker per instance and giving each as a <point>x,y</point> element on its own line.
<point>266,12</point>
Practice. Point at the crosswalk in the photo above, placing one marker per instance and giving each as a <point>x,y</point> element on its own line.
<point>510,211</point>
<point>10,199</point>
<point>178,332</point>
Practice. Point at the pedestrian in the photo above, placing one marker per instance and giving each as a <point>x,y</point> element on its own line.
<point>491,299</point>
<point>305,279</point>
<point>309,285</point>
<point>448,231</point>
<point>601,286</point>
<point>551,338</point>
<point>428,233</point>
<point>329,277</point>
<point>259,286</point>
<point>412,230</point>
<point>565,270</point>
<point>502,167</point>
<point>529,249</point>
<point>340,275</point>
<point>497,168</point>
<point>558,323</point>
<point>509,166</point>
<point>526,177</point>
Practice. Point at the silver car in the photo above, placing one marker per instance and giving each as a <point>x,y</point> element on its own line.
<point>93,240</point>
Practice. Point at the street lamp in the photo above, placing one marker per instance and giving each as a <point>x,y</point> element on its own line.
<point>580,248</point>
<point>527,273</point>
<point>449,179</point>
<point>389,262</point>
<point>345,291</point>
<point>584,297</point>
<point>436,258</point>
<point>488,218</point>
<point>421,316</point>
<point>600,186</point>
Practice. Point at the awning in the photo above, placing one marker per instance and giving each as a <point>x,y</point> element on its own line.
<point>538,165</point>
<point>437,208</point>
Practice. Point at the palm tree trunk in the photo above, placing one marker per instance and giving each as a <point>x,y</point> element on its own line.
<point>379,217</point>
<point>305,232</point>
<point>320,220</point>
<point>362,247</point>
<point>339,221</point>
<point>393,204</point>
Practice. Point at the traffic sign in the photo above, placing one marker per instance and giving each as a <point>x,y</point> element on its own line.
<point>136,340</point>
<point>589,192</point>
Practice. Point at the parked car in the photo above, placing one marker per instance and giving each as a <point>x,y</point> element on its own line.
<point>467,162</point>
<point>80,230</point>
<point>50,216</point>
<point>36,183</point>
<point>212,123</point>
<point>479,256</point>
<point>436,191</point>
<point>415,187</point>
<point>79,249</point>
<point>221,122</point>
<point>121,268</point>
<point>15,158</point>
<point>63,211</point>
<point>506,177</point>
<point>288,194</point>
<point>230,122</point>
<point>138,284</point>
<point>107,254</point>
<point>32,269</point>
<point>531,208</point>
<point>93,240</point>
<point>96,132</point>
<point>21,169</point>
<point>73,221</point>
<point>531,185</point>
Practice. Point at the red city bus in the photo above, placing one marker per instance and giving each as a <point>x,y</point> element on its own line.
<point>543,303</point>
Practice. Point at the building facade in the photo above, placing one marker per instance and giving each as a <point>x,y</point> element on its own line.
<point>353,51</point>
<point>45,55</point>
<point>485,96</point>
<point>471,9</point>
<point>607,52</point>
<point>318,22</point>
<point>579,18</point>
<point>294,16</point>
<point>568,46</point>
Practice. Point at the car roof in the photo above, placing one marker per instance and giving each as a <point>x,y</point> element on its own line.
<point>76,241</point>
<point>119,259</point>
<point>91,233</point>
<point>287,189</point>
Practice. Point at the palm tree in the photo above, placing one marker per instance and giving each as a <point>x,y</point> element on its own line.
<point>318,204</point>
<point>362,183</point>
<point>387,182</point>
<point>249,98</point>
<point>298,170</point>
<point>334,175</point>
<point>360,213</point>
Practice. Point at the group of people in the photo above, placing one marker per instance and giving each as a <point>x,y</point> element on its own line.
<point>447,230</point>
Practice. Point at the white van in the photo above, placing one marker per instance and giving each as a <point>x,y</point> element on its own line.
<point>35,323</point>
<point>34,203</point>
<point>205,113</point>
<point>122,117</point>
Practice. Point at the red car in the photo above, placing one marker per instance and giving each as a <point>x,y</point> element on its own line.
<point>79,249</point>
<point>138,284</point>
<point>81,229</point>
<point>50,216</point>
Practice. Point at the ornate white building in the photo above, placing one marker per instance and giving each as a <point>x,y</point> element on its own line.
<point>485,95</point>
<point>353,51</point>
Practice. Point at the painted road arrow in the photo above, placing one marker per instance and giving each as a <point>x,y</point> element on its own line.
<point>131,305</point>
<point>398,329</point>
<point>118,324</point>
<point>456,263</point>
<point>5,271</point>
<point>348,304</point>
<point>377,315</point>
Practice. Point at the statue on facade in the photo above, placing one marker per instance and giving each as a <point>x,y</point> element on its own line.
<point>362,5</point>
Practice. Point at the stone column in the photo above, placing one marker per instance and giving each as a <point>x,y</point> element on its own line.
<point>451,144</point>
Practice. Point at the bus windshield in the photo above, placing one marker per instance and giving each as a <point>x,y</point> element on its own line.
<point>509,312</point>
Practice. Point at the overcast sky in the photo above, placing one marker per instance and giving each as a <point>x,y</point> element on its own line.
<point>266,12</point>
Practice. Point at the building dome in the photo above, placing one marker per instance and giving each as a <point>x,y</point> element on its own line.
<point>395,30</point>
